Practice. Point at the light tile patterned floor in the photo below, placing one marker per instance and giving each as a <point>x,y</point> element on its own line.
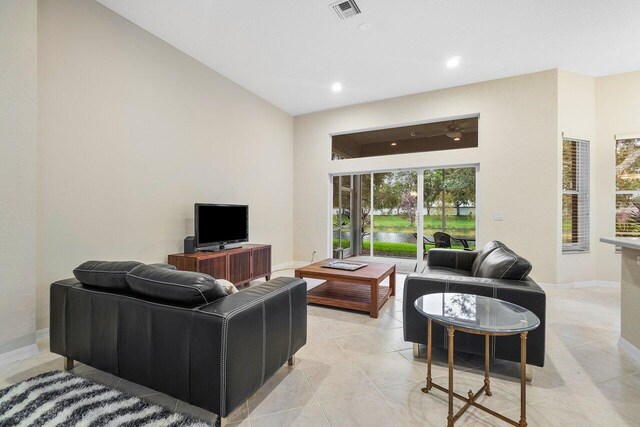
<point>358,371</point>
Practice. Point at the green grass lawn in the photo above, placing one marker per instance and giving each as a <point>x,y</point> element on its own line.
<point>456,225</point>
<point>460,226</point>
<point>463,226</point>
<point>401,250</point>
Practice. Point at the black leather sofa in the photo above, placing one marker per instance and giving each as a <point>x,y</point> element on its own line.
<point>175,332</point>
<point>495,271</point>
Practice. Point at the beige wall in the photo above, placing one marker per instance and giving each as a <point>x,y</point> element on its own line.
<point>517,153</point>
<point>18,119</point>
<point>630,296</point>
<point>132,133</point>
<point>617,112</point>
<point>577,119</point>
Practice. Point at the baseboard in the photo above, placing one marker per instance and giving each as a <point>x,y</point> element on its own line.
<point>300,264</point>
<point>629,348</point>
<point>289,265</point>
<point>18,354</point>
<point>584,284</point>
<point>42,334</point>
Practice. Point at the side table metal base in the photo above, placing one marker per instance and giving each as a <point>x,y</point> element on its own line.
<point>471,398</point>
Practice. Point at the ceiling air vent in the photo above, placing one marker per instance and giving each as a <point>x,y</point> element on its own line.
<point>345,9</point>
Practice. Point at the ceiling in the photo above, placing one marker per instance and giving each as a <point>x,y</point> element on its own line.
<point>290,52</point>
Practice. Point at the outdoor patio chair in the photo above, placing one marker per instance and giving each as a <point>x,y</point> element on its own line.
<point>443,240</point>
<point>425,251</point>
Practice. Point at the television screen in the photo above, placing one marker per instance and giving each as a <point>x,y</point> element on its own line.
<point>221,224</point>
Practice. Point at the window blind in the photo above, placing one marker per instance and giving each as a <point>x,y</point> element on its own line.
<point>575,196</point>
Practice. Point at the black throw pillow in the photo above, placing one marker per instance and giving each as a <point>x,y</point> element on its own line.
<point>105,274</point>
<point>184,287</point>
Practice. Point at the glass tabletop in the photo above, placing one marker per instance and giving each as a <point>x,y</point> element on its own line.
<point>477,313</point>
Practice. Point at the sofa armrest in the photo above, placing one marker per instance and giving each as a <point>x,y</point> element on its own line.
<point>261,328</point>
<point>451,258</point>
<point>57,302</point>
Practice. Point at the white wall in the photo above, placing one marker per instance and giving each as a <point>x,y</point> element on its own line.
<point>517,153</point>
<point>577,119</point>
<point>617,112</point>
<point>132,133</point>
<point>18,138</point>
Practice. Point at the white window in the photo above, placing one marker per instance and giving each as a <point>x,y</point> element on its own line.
<point>628,186</point>
<point>575,195</point>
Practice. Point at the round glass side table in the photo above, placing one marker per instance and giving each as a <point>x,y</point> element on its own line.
<point>478,315</point>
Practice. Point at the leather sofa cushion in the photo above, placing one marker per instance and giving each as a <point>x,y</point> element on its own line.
<point>163,265</point>
<point>488,248</point>
<point>503,263</point>
<point>184,287</point>
<point>105,274</point>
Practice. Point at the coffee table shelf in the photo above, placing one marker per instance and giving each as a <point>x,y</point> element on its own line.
<point>353,296</point>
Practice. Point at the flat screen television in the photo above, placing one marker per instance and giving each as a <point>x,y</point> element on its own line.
<point>220,225</point>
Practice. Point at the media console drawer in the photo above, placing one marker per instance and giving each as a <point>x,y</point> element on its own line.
<point>237,265</point>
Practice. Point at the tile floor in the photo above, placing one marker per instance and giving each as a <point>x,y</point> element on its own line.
<point>358,371</point>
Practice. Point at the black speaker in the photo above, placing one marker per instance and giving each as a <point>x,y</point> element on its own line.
<point>189,244</point>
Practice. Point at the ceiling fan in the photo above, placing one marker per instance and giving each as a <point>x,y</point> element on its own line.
<point>454,130</point>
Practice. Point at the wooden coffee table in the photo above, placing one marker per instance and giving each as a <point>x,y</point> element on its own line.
<point>355,290</point>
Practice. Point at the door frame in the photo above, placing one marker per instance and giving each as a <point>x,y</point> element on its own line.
<point>420,202</point>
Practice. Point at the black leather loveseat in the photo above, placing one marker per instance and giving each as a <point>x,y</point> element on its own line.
<point>495,272</point>
<point>176,332</point>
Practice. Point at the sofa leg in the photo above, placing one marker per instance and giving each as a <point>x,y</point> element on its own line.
<point>220,422</point>
<point>529,373</point>
<point>68,363</point>
<point>292,360</point>
<point>416,350</point>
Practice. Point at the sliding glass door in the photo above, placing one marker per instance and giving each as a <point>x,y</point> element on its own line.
<point>399,214</point>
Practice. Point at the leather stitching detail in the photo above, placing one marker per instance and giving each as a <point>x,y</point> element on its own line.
<point>223,367</point>
<point>526,273</point>
<point>290,325</point>
<point>515,259</point>
<point>264,342</point>
<point>102,271</point>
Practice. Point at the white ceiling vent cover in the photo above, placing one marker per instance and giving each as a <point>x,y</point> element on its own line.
<point>345,9</point>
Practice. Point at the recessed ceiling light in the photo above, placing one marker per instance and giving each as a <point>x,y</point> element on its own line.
<point>364,26</point>
<point>336,87</point>
<point>454,62</point>
<point>394,143</point>
<point>457,139</point>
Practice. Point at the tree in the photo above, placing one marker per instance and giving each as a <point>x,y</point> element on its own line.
<point>627,165</point>
<point>389,188</point>
<point>409,206</point>
<point>432,188</point>
<point>460,185</point>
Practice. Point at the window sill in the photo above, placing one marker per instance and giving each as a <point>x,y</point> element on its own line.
<point>575,252</point>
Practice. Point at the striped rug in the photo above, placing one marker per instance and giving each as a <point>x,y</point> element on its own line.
<point>62,399</point>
